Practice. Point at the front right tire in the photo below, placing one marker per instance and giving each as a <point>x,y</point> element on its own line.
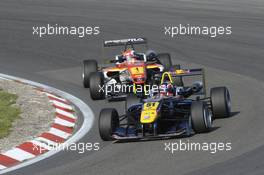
<point>97,89</point>
<point>221,102</point>
<point>201,118</point>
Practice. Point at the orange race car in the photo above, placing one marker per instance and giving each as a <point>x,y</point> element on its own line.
<point>130,73</point>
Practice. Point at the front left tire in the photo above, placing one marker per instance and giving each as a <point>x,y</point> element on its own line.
<point>89,66</point>
<point>108,123</point>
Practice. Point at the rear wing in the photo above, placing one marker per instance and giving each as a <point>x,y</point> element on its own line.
<point>124,42</point>
<point>187,72</point>
<point>183,73</point>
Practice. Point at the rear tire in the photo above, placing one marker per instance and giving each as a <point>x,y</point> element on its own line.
<point>201,118</point>
<point>89,66</point>
<point>108,122</point>
<point>165,60</point>
<point>96,82</point>
<point>221,102</point>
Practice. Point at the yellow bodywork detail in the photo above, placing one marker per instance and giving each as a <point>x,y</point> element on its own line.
<point>163,76</point>
<point>137,70</point>
<point>149,112</point>
<point>168,74</point>
<point>134,88</point>
<point>180,71</point>
<point>152,66</point>
<point>138,89</point>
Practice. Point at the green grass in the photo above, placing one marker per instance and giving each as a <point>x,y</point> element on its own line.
<point>8,112</point>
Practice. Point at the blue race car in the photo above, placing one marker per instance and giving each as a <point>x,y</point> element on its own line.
<point>170,112</point>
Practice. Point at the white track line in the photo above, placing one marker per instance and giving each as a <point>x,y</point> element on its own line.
<point>19,154</point>
<point>63,122</point>
<point>68,114</point>
<point>47,141</point>
<point>59,133</point>
<point>2,167</point>
<point>41,144</point>
<point>4,79</point>
<point>56,97</point>
<point>62,105</point>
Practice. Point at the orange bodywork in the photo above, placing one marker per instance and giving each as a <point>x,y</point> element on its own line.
<point>136,68</point>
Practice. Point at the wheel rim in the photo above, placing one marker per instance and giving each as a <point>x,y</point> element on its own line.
<point>228,101</point>
<point>207,118</point>
<point>189,130</point>
<point>190,122</point>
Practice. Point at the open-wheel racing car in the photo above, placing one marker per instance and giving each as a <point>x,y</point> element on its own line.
<point>172,111</point>
<point>130,70</point>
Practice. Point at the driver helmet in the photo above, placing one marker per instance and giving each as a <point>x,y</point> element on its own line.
<point>167,89</point>
<point>129,53</point>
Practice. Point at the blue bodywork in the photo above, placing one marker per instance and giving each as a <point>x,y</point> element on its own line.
<point>170,104</point>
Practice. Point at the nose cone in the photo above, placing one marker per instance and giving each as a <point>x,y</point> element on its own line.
<point>149,113</point>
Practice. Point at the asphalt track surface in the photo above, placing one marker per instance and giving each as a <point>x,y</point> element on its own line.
<point>235,61</point>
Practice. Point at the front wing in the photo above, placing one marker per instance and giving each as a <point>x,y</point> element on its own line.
<point>181,133</point>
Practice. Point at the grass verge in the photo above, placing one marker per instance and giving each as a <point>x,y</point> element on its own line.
<point>8,112</point>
